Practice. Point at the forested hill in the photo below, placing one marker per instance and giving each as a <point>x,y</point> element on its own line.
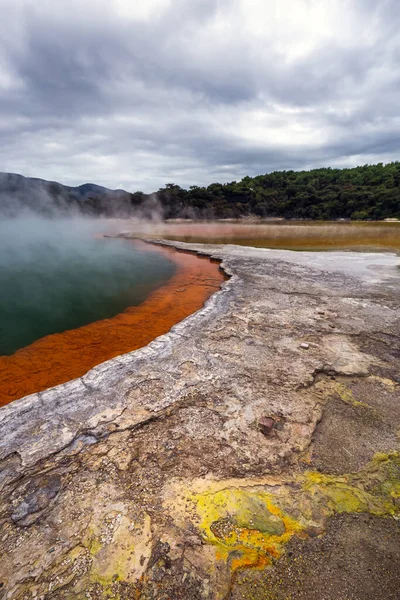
<point>368,192</point>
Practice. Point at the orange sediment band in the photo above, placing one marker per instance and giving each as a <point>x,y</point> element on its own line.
<point>58,358</point>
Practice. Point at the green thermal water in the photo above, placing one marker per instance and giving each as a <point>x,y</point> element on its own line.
<point>56,276</point>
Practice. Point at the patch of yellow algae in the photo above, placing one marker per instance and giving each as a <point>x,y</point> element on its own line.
<point>346,395</point>
<point>373,490</point>
<point>249,522</point>
<point>384,477</point>
<point>94,544</point>
<point>339,496</point>
<point>247,528</point>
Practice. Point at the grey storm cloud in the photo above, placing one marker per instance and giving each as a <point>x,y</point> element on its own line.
<point>137,94</point>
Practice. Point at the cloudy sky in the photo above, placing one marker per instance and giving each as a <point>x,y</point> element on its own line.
<point>139,93</point>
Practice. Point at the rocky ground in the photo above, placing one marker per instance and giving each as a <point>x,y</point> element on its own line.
<point>250,453</point>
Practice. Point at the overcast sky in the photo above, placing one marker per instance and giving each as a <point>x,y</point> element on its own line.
<point>139,93</point>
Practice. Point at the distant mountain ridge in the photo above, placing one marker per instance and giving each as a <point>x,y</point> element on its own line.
<point>18,193</point>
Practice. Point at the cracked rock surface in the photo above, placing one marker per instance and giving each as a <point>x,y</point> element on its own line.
<point>258,429</point>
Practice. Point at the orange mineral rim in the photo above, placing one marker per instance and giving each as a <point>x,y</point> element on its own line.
<point>58,358</point>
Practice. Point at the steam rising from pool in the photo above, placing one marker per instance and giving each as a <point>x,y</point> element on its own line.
<point>58,274</point>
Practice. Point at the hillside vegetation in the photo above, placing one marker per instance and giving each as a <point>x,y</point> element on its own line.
<point>370,192</point>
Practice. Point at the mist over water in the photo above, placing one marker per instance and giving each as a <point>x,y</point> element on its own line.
<point>289,235</point>
<point>58,274</point>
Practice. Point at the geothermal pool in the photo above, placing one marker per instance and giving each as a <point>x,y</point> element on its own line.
<point>71,299</point>
<point>55,276</point>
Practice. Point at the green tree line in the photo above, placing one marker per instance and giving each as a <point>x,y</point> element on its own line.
<point>370,192</point>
